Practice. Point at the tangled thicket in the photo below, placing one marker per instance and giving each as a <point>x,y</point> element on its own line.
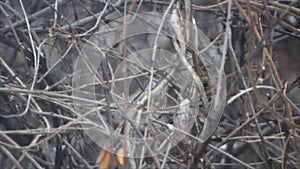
<point>40,42</point>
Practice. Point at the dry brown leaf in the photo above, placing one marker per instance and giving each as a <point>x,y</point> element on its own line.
<point>104,157</point>
<point>102,153</point>
<point>100,157</point>
<point>105,162</point>
<point>120,156</point>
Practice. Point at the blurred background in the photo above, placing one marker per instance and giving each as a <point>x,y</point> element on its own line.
<point>39,45</point>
